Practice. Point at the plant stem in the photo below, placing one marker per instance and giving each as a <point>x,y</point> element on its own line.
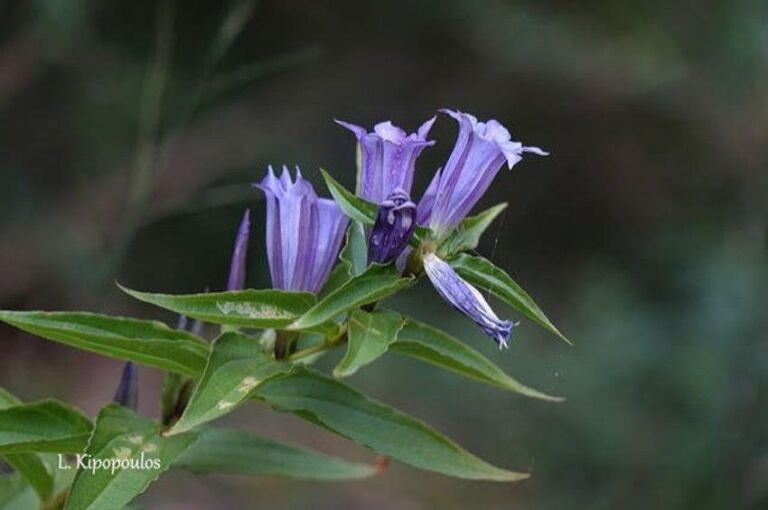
<point>328,344</point>
<point>309,351</point>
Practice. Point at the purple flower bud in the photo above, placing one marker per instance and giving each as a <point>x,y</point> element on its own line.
<point>304,232</point>
<point>481,150</point>
<point>393,228</point>
<point>236,279</point>
<point>466,299</point>
<point>127,394</point>
<point>388,157</point>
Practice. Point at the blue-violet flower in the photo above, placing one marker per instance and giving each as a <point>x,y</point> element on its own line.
<point>480,151</point>
<point>304,232</point>
<point>388,157</point>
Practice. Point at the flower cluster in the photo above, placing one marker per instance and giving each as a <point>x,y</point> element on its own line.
<point>304,233</point>
<point>387,169</point>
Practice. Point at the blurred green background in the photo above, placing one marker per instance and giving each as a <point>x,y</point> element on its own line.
<point>130,131</point>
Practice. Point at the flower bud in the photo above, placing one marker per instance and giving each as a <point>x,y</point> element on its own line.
<point>127,394</point>
<point>393,228</point>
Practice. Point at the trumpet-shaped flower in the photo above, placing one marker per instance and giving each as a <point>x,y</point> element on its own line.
<point>481,149</point>
<point>466,299</point>
<point>304,232</point>
<point>388,156</point>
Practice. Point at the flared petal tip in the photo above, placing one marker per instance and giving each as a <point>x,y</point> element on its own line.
<point>536,150</point>
<point>283,185</point>
<point>388,132</point>
<point>359,131</point>
<point>269,183</point>
<point>423,132</point>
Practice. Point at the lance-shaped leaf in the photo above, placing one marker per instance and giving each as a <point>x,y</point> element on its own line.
<point>268,308</point>
<point>375,283</point>
<point>236,366</point>
<point>30,465</point>
<point>369,335</point>
<point>338,277</point>
<point>431,345</point>
<point>355,252</point>
<point>34,471</point>
<point>15,493</point>
<point>361,210</point>
<point>353,206</point>
<point>484,274</point>
<point>126,453</point>
<point>467,234</point>
<point>148,342</point>
<point>240,453</point>
<point>349,413</point>
<point>44,426</point>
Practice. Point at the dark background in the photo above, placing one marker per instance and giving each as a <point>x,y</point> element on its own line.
<point>130,131</point>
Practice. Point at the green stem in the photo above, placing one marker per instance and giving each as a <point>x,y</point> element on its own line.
<point>328,344</point>
<point>309,351</point>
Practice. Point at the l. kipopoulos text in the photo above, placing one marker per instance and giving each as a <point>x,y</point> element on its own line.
<point>86,462</point>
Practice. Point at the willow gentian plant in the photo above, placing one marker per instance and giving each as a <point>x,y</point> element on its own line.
<point>335,265</point>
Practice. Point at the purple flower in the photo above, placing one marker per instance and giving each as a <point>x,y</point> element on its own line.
<point>236,279</point>
<point>427,202</point>
<point>304,232</point>
<point>127,394</point>
<point>393,228</point>
<point>466,299</point>
<point>388,156</point>
<point>480,151</point>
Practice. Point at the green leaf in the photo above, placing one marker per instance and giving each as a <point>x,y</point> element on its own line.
<point>34,470</point>
<point>45,426</point>
<point>7,400</point>
<point>349,413</point>
<point>467,234</point>
<point>120,435</point>
<point>15,493</point>
<point>484,274</point>
<point>431,345</point>
<point>338,277</point>
<point>235,367</point>
<point>240,453</point>
<point>355,252</point>
<point>267,308</point>
<point>29,465</point>
<point>377,282</point>
<point>148,342</point>
<point>353,206</point>
<point>169,396</point>
<point>368,337</point>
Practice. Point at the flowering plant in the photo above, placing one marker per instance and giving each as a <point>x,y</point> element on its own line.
<point>333,263</point>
